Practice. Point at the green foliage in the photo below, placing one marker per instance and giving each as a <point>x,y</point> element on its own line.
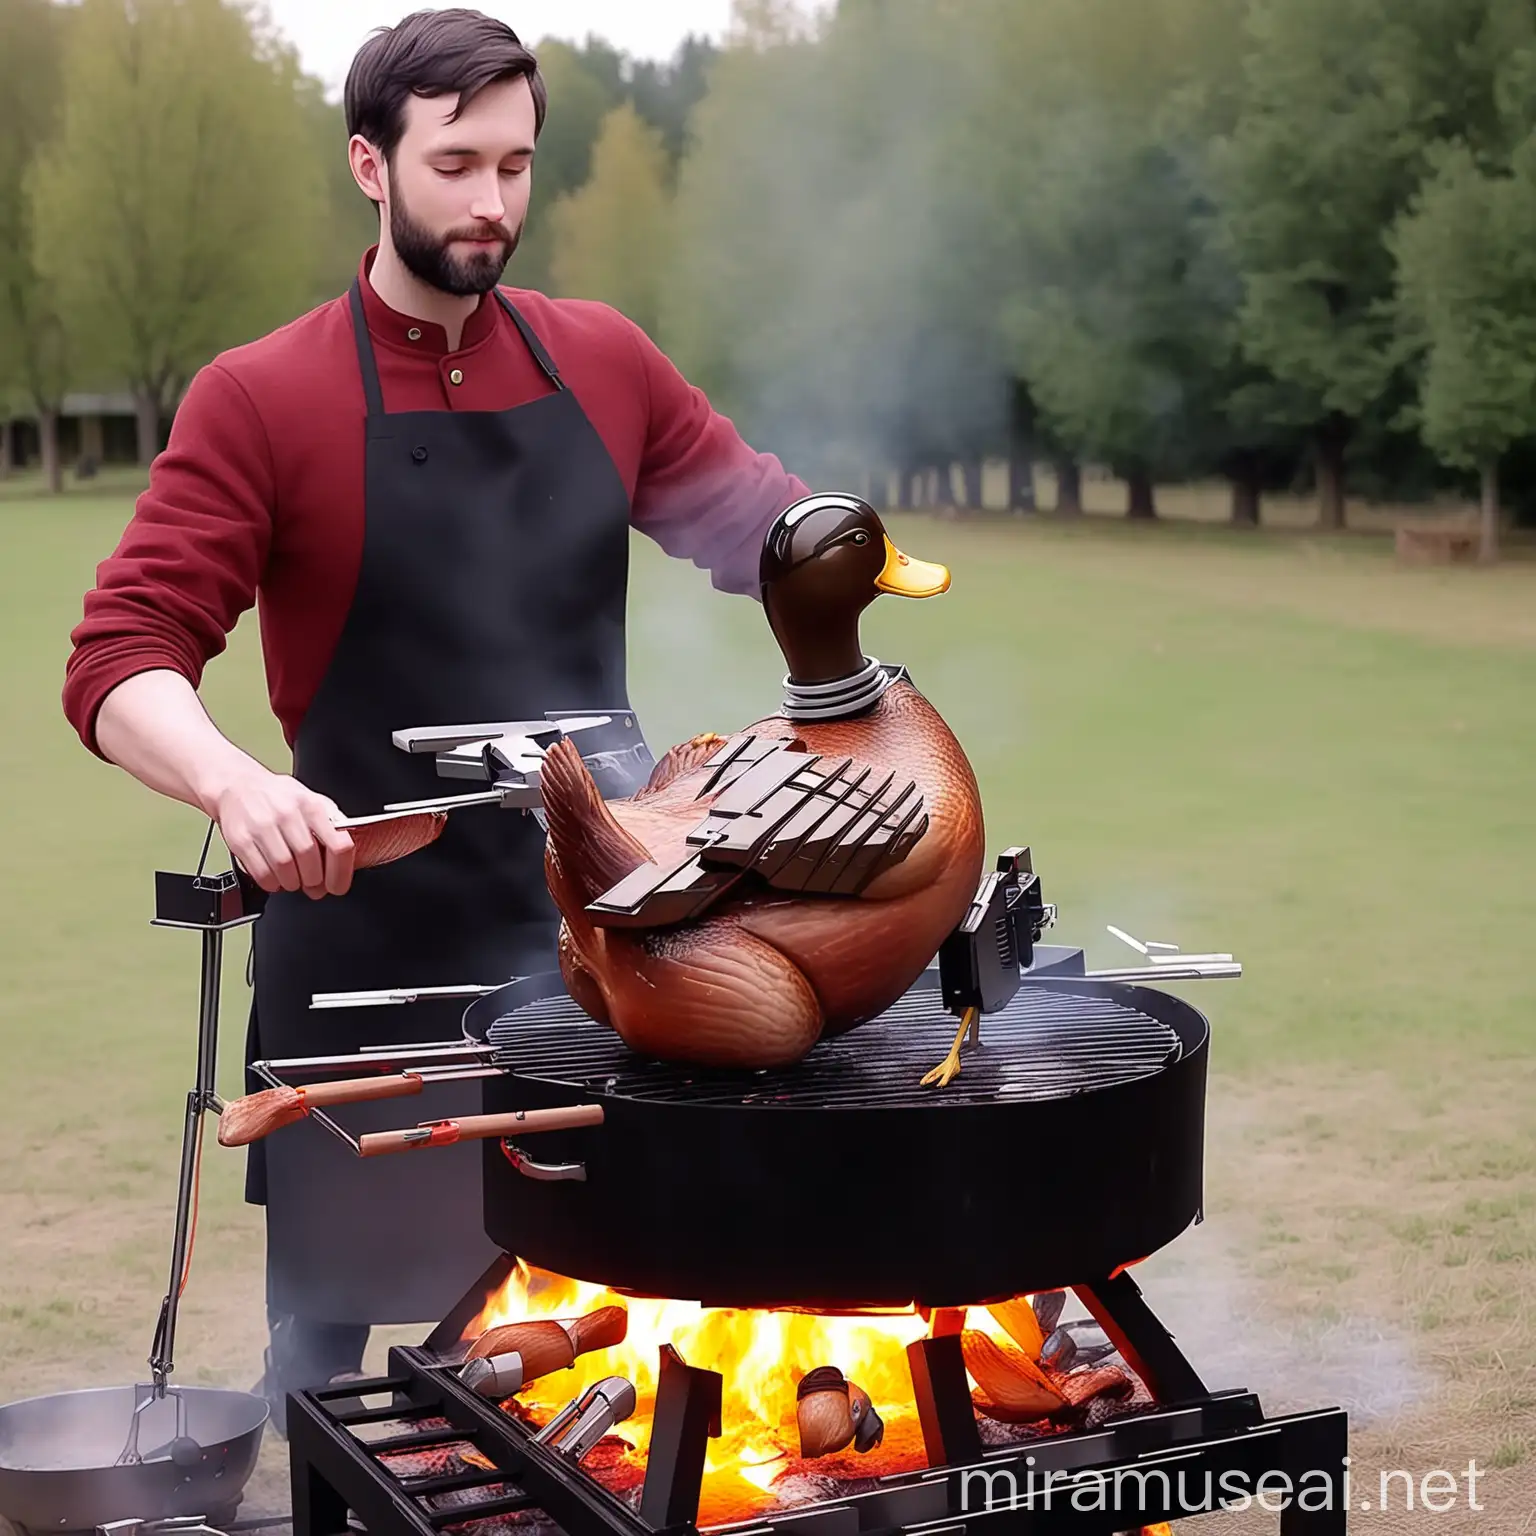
<point>1466,256</point>
<point>176,213</point>
<point>586,85</point>
<point>350,223</point>
<point>34,369</point>
<point>612,237</point>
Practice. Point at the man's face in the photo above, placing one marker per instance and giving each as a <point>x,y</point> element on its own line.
<point>457,192</point>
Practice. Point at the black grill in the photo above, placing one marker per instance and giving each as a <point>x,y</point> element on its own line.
<point>1048,1043</point>
<point>842,1181</point>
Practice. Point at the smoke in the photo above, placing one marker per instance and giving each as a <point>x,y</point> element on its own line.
<point>881,226</point>
<point>1230,1328</point>
<point>833,277</point>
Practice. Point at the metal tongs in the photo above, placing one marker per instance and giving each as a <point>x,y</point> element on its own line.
<point>578,1427</point>
<point>210,905</point>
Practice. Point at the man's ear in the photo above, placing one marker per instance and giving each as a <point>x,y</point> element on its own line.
<point>369,169</point>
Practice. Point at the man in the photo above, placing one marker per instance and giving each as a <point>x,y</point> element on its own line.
<point>427,486</point>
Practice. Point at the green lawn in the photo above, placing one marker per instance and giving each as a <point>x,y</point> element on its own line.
<point>1269,744</point>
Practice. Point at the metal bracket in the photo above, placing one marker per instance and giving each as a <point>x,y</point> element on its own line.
<point>544,1172</point>
<point>509,754</point>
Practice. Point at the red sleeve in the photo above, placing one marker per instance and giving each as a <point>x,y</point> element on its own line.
<point>702,493</point>
<point>188,563</point>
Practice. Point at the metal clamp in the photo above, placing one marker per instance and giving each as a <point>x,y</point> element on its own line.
<point>544,1172</point>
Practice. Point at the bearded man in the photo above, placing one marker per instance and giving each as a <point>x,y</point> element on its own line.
<point>427,485</point>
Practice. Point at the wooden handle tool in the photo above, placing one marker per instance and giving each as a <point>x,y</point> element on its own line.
<point>259,1114</point>
<point>444,1133</point>
<point>549,1344</point>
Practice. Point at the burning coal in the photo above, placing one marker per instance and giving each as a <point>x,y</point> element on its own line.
<point>806,1397</point>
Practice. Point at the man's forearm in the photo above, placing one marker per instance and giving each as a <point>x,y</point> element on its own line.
<point>154,726</point>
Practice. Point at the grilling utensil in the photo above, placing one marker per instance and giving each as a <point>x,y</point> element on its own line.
<point>153,1451</point>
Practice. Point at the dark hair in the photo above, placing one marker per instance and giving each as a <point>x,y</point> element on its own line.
<point>433,53</point>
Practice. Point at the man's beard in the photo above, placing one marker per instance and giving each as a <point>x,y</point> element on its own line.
<point>427,255</point>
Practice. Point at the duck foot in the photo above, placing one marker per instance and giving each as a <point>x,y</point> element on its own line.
<point>949,1068</point>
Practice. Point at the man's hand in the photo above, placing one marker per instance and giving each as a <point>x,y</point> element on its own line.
<point>154,725</point>
<point>284,834</point>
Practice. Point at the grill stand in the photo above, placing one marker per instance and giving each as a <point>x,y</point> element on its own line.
<point>1164,1462</point>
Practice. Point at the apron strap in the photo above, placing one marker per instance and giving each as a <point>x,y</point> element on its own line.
<point>365,358</point>
<point>544,360</point>
<point>370,368</point>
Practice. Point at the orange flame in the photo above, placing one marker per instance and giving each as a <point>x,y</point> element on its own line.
<point>761,1357</point>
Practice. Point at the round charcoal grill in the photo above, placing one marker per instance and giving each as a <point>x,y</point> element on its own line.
<point>1070,1144</point>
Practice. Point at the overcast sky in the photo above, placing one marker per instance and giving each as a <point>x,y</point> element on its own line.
<point>329,32</point>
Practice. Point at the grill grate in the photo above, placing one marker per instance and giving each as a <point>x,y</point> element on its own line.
<point>1046,1044</point>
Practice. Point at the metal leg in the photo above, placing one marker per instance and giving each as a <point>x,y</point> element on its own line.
<point>1144,1344</point>
<point>318,1510</point>
<point>445,1338</point>
<point>943,1398</point>
<point>1315,1452</point>
<point>687,1417</point>
<point>201,1098</point>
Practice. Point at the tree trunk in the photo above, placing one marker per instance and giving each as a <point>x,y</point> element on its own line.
<point>1246,495</point>
<point>1069,487</point>
<point>1140,501</point>
<point>1331,441</point>
<point>146,410</point>
<point>48,449</point>
<point>970,473</point>
<point>877,489</point>
<point>1021,480</point>
<point>7,451</point>
<point>1021,455</point>
<point>1488,518</point>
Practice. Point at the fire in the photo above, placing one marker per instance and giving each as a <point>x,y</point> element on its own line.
<point>760,1356</point>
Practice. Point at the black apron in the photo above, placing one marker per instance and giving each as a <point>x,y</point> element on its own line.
<point>492,587</point>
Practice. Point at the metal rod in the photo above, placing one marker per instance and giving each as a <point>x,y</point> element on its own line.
<point>388,996</point>
<point>400,1055</point>
<point>1214,970</point>
<point>201,1098</point>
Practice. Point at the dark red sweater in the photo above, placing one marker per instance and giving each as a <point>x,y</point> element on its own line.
<point>259,495</point>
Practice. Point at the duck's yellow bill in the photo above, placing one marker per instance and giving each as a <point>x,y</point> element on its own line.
<point>907,577</point>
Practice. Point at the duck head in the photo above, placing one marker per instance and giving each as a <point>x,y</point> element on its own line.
<point>825,560</point>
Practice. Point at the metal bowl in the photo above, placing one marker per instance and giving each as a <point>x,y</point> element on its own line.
<point>58,1455</point>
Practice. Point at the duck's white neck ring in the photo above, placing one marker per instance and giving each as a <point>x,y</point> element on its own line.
<point>839,699</point>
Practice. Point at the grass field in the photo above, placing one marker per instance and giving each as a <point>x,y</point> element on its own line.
<point>1273,744</point>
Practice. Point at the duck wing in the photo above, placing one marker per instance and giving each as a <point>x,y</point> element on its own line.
<point>801,821</point>
<point>593,851</point>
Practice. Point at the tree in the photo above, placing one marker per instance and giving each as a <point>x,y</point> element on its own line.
<point>834,270</point>
<point>1119,301</point>
<point>176,213</point>
<point>665,94</point>
<point>1341,101</point>
<point>583,90</point>
<point>33,364</point>
<point>1466,255</point>
<point>350,223</point>
<point>612,238</point>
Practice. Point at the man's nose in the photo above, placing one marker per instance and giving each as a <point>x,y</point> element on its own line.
<point>488,204</point>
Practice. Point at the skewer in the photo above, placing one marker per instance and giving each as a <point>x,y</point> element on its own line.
<point>1176,969</point>
<point>394,1056</point>
<point>385,996</point>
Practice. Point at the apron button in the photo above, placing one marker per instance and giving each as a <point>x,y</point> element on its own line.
<point>419,454</point>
